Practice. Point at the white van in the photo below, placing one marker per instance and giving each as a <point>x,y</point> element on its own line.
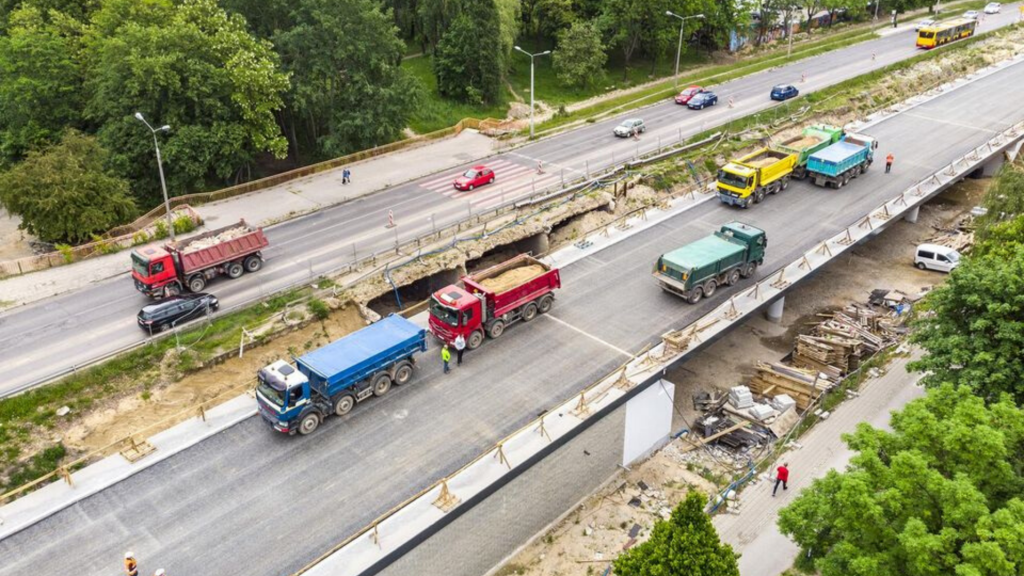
<point>936,257</point>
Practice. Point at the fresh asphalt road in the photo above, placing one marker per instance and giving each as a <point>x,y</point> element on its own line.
<point>251,502</point>
<point>50,337</point>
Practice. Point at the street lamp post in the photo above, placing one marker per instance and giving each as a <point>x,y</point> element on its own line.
<point>532,56</point>
<point>679,48</point>
<point>160,167</point>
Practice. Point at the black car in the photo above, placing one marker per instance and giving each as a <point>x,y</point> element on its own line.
<point>176,310</point>
<point>784,92</point>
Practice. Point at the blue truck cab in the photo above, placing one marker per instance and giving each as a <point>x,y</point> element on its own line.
<point>331,380</point>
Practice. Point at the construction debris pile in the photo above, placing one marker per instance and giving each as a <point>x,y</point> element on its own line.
<point>960,236</point>
<point>202,242</point>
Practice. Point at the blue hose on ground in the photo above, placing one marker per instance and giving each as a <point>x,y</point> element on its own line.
<point>733,486</point>
<point>387,276</point>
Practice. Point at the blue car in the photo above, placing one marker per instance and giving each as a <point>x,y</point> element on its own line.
<point>702,100</point>
<point>784,92</point>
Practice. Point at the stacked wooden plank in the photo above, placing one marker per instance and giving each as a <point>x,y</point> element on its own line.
<point>828,353</point>
<point>800,384</point>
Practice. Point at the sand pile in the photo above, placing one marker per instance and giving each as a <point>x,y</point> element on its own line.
<point>512,278</point>
<point>805,142</point>
<point>762,162</point>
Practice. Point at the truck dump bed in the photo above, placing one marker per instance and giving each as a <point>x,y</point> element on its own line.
<point>218,246</point>
<point>514,282</point>
<point>360,354</point>
<point>702,253</point>
<point>772,164</point>
<point>813,139</point>
<point>837,158</point>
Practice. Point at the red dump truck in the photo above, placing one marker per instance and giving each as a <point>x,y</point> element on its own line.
<point>518,289</point>
<point>189,264</point>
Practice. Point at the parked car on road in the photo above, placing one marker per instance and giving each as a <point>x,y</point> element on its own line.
<point>971,14</point>
<point>475,176</point>
<point>784,92</point>
<point>927,22</point>
<point>993,8</point>
<point>176,310</point>
<point>684,96</point>
<point>702,100</point>
<point>936,257</point>
<point>630,127</point>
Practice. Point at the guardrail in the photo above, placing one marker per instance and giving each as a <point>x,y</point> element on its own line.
<point>378,543</point>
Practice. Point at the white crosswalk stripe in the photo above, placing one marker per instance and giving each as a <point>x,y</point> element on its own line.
<point>512,181</point>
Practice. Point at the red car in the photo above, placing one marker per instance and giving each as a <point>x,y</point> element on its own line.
<point>684,96</point>
<point>475,176</point>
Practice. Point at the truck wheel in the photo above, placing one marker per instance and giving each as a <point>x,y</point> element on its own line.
<point>758,196</point>
<point>476,338</point>
<point>695,295</point>
<point>749,270</point>
<point>709,288</point>
<point>381,384</point>
<point>197,283</point>
<point>253,263</point>
<point>530,312</point>
<point>496,329</point>
<point>785,181</point>
<point>545,304</point>
<point>309,423</point>
<point>403,373</point>
<point>344,405</point>
<point>733,277</point>
<point>235,270</point>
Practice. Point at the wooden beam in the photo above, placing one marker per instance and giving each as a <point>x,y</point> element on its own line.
<point>703,441</point>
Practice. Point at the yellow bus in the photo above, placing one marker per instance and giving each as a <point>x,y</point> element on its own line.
<point>945,32</point>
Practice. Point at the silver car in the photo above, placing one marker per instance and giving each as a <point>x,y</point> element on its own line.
<point>630,127</point>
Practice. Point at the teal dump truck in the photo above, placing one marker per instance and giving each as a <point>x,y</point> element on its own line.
<point>814,138</point>
<point>697,269</point>
<point>836,165</point>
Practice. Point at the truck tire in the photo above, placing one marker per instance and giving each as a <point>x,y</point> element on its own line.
<point>529,312</point>
<point>695,295</point>
<point>785,182</point>
<point>343,404</point>
<point>749,269</point>
<point>710,287</point>
<point>733,277</point>
<point>403,373</point>
<point>758,195</point>
<point>496,329</point>
<point>545,304</point>
<point>197,283</point>
<point>253,263</point>
<point>476,338</point>
<point>234,270</point>
<point>309,423</point>
<point>381,384</point>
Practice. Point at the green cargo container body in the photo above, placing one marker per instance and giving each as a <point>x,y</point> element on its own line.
<point>734,251</point>
<point>826,136</point>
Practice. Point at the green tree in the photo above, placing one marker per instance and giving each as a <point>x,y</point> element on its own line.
<point>939,495</point>
<point>686,543</point>
<point>64,194</point>
<point>721,20</point>
<point>41,80</point>
<point>509,22</point>
<point>579,59</point>
<point>624,22</point>
<point>195,67</point>
<point>1005,199</point>
<point>344,58</point>
<point>469,63</point>
<point>972,330</point>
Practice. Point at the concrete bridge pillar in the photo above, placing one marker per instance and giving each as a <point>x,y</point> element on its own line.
<point>537,244</point>
<point>912,214</point>
<point>774,311</point>
<point>990,167</point>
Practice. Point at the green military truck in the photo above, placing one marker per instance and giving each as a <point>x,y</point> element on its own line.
<point>699,268</point>
<point>814,138</point>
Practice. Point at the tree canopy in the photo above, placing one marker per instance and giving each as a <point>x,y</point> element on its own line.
<point>469,63</point>
<point>579,59</point>
<point>939,495</point>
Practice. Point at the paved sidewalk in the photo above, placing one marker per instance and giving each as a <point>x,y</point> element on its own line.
<point>270,206</point>
<point>753,531</point>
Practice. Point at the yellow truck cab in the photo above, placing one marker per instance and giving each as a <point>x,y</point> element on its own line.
<point>750,178</point>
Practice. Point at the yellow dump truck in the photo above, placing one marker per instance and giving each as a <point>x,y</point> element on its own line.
<point>754,176</point>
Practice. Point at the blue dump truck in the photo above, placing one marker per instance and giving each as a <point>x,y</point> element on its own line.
<point>296,398</point>
<point>839,163</point>
<point>697,269</point>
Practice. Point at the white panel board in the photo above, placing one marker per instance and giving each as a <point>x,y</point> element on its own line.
<point>648,421</point>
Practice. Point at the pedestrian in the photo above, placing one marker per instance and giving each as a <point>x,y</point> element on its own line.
<point>131,567</point>
<point>446,357</point>
<point>888,162</point>
<point>460,347</point>
<point>781,477</point>
<point>346,176</point>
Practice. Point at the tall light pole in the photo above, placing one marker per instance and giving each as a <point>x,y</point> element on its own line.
<point>532,56</point>
<point>160,167</point>
<point>679,49</point>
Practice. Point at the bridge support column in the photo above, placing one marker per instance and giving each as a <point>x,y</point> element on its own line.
<point>774,311</point>
<point>537,244</point>
<point>912,214</point>
<point>990,167</point>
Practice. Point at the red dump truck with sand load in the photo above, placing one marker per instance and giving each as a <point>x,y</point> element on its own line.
<point>189,264</point>
<point>490,300</point>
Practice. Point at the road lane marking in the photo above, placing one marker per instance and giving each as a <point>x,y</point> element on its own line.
<point>957,124</point>
<point>588,335</point>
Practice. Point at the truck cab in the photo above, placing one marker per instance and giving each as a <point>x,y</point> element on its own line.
<point>152,269</point>
<point>283,395</point>
<point>737,180</point>
<point>453,312</point>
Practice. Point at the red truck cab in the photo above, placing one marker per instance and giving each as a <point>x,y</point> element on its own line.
<point>152,266</point>
<point>490,300</point>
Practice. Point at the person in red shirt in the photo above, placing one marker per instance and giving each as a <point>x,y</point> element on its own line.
<point>781,477</point>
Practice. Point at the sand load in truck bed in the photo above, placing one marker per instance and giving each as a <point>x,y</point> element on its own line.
<point>512,278</point>
<point>762,162</point>
<point>225,236</point>
<point>805,142</point>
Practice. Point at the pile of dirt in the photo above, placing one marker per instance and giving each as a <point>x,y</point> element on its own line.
<point>805,142</point>
<point>762,162</point>
<point>512,278</point>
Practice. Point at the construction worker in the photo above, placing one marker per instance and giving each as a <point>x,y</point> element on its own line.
<point>888,162</point>
<point>460,347</point>
<point>446,357</point>
<point>131,567</point>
